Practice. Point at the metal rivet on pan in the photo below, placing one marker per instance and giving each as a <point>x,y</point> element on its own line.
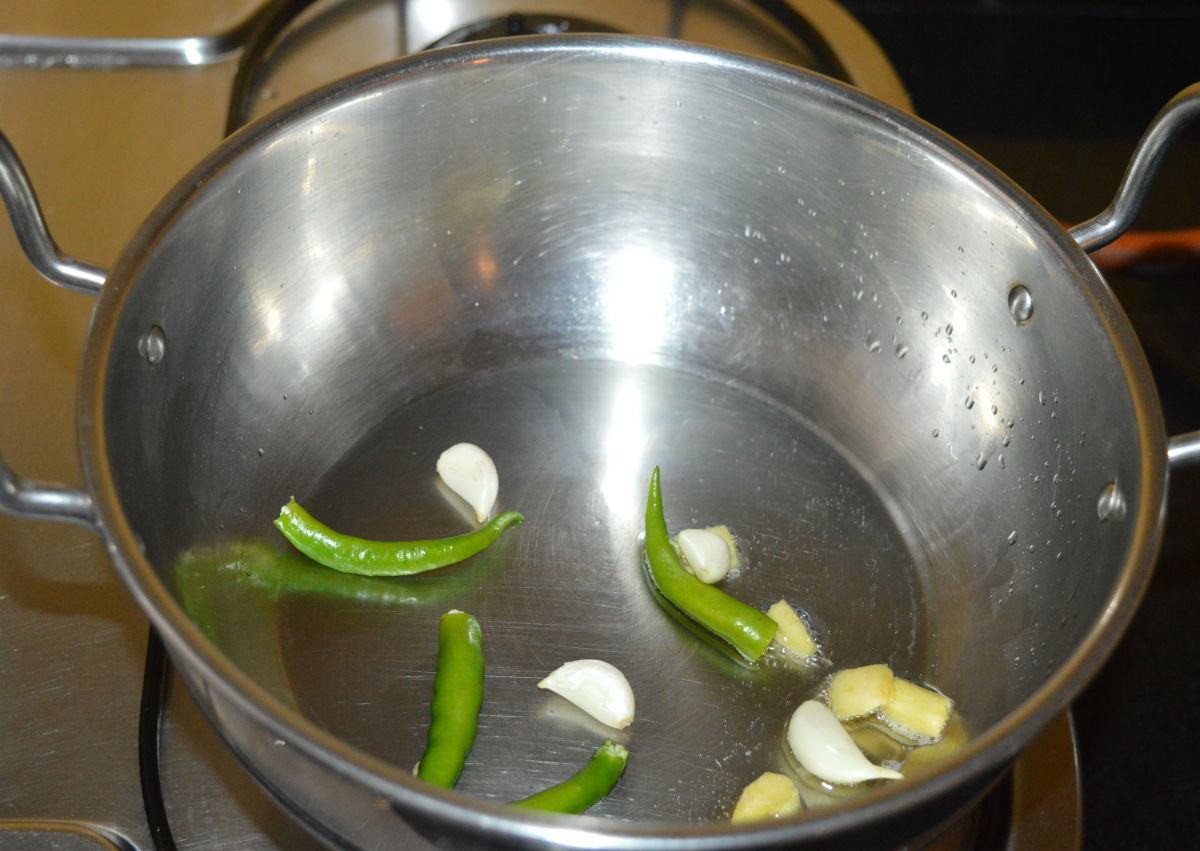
<point>153,345</point>
<point>1111,505</point>
<point>1020,304</point>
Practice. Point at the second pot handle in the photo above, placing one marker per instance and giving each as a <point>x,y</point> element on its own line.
<point>30,226</point>
<point>1183,450</point>
<point>18,495</point>
<point>1158,139</point>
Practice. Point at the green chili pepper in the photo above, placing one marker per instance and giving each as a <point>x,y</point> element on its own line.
<point>457,696</point>
<point>743,626</point>
<point>382,558</point>
<point>590,785</point>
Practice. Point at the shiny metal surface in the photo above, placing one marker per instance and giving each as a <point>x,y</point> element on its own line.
<point>40,500</point>
<point>21,835</point>
<point>1183,450</point>
<point>34,50</point>
<point>213,803</point>
<point>348,294</point>
<point>1037,806</point>
<point>30,228</point>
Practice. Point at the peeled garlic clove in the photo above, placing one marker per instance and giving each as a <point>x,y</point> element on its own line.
<point>596,687</point>
<point>770,796</point>
<point>705,553</point>
<point>725,535</point>
<point>792,634</point>
<point>469,472</point>
<point>825,749</point>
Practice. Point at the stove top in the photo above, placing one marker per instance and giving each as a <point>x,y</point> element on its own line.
<point>101,147</point>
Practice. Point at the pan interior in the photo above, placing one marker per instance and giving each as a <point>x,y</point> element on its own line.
<point>575,442</point>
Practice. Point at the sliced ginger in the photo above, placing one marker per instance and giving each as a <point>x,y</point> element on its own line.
<point>770,796</point>
<point>856,692</point>
<point>953,739</point>
<point>792,635</point>
<point>917,712</point>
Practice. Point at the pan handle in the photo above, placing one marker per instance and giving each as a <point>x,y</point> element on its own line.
<point>1183,450</point>
<point>35,239</point>
<point>1148,156</point>
<point>39,51</point>
<point>18,495</point>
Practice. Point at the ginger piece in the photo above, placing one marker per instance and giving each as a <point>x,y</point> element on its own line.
<point>792,634</point>
<point>856,692</point>
<point>770,796</point>
<point>916,712</point>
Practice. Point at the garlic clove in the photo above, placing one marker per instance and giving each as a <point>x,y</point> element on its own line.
<point>770,796</point>
<point>705,553</point>
<point>596,687</point>
<point>792,635</point>
<point>469,472</point>
<point>825,749</point>
<point>725,535</point>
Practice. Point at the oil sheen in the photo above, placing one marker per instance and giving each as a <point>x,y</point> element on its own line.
<point>574,443</point>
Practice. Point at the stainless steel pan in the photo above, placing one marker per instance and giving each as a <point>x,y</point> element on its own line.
<point>837,331</point>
